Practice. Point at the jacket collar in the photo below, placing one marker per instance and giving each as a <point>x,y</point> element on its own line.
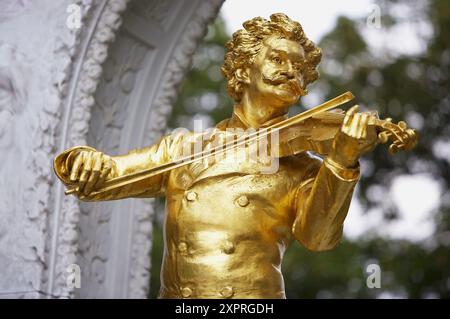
<point>238,120</point>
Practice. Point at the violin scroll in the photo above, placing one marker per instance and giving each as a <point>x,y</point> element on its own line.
<point>403,138</point>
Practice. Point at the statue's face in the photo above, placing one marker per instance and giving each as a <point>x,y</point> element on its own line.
<point>276,74</point>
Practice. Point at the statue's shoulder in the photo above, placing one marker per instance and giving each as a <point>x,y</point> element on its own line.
<point>223,125</point>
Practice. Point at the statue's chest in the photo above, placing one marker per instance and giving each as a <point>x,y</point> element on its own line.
<point>232,198</point>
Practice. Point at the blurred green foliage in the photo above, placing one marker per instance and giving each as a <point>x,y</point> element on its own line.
<point>414,87</point>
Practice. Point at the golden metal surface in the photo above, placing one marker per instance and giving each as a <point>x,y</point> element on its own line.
<point>227,225</point>
<point>119,181</point>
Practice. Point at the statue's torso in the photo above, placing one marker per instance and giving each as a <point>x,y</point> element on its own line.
<point>226,229</point>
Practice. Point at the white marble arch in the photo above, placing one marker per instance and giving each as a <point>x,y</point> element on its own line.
<point>118,95</point>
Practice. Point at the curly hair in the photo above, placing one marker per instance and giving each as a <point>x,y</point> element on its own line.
<point>242,49</point>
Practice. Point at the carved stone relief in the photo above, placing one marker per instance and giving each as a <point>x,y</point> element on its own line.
<point>11,9</point>
<point>109,114</point>
<point>34,63</point>
<point>156,11</point>
<point>16,255</point>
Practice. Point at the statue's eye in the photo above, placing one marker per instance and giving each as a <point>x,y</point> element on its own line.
<point>277,60</point>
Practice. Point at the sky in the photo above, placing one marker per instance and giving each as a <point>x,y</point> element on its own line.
<point>317,17</point>
<point>415,196</point>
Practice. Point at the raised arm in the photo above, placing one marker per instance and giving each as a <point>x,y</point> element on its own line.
<point>323,199</point>
<point>86,168</point>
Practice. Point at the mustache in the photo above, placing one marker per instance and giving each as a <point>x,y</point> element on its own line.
<point>278,79</point>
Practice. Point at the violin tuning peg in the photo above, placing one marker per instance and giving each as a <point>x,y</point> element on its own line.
<point>402,125</point>
<point>399,143</point>
<point>393,149</point>
<point>412,138</point>
<point>383,137</point>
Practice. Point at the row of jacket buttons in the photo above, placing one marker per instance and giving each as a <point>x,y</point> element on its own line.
<point>242,200</point>
<point>191,196</point>
<point>182,247</point>
<point>186,292</point>
<point>228,247</point>
<point>225,292</point>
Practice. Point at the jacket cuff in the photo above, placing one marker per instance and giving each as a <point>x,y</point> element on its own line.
<point>343,173</point>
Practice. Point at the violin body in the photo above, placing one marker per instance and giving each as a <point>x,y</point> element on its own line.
<point>315,134</point>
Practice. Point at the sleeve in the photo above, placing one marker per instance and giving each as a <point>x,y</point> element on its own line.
<point>134,161</point>
<point>321,204</point>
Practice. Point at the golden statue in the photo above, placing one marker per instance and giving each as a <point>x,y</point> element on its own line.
<point>227,224</point>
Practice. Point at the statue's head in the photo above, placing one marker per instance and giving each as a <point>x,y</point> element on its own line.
<point>272,59</point>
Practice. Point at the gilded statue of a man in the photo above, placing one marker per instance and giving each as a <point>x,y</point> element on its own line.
<point>226,225</point>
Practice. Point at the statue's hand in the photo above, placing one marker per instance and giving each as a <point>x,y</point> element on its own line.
<point>90,169</point>
<point>354,139</point>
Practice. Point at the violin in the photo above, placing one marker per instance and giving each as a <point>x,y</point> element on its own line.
<point>316,134</point>
<point>312,130</point>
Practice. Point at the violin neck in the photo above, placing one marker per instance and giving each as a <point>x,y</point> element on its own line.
<point>375,121</point>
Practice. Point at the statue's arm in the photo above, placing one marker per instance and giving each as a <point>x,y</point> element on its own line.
<point>86,167</point>
<point>321,203</point>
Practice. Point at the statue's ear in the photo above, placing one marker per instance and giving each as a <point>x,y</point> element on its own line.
<point>243,75</point>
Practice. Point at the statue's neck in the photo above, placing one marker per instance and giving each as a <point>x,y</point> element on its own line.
<point>255,113</point>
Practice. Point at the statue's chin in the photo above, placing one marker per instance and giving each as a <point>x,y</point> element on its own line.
<point>288,98</point>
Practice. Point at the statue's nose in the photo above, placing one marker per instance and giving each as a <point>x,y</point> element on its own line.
<point>288,71</point>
